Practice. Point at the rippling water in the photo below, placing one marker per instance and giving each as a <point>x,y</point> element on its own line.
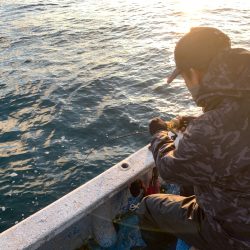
<point>75,73</point>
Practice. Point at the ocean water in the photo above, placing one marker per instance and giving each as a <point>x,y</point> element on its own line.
<point>75,74</point>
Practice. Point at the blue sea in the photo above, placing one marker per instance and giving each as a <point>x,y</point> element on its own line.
<point>79,79</point>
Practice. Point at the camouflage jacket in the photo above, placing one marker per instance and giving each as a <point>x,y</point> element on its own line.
<point>214,154</point>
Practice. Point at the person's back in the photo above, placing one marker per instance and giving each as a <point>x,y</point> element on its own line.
<point>225,196</point>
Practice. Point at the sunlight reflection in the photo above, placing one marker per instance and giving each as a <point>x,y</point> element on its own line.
<point>192,6</point>
<point>8,125</point>
<point>21,165</point>
<point>12,148</point>
<point>48,139</point>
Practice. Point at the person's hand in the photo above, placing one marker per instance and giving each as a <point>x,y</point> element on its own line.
<point>156,125</point>
<point>183,122</point>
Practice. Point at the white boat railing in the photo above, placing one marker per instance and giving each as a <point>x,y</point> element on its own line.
<point>71,220</point>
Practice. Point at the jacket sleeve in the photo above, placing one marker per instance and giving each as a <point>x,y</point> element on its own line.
<point>191,162</point>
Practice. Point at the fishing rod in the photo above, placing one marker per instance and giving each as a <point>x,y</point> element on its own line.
<point>120,137</point>
<point>113,139</point>
<point>171,126</point>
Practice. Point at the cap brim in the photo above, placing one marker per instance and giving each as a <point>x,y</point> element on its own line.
<point>175,73</point>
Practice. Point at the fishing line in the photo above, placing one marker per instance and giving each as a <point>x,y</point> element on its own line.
<point>113,139</point>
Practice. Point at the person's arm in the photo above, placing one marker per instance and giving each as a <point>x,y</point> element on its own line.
<point>191,163</point>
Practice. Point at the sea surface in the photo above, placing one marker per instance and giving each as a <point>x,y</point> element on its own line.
<point>78,79</point>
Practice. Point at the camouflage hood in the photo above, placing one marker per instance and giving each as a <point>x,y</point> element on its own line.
<point>228,76</point>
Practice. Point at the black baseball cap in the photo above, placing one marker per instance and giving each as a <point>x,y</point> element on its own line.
<point>197,48</point>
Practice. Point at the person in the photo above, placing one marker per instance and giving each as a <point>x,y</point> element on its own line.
<point>213,155</point>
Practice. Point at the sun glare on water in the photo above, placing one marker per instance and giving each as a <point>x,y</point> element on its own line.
<point>193,12</point>
<point>192,6</point>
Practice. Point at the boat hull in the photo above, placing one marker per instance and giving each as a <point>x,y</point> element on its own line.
<point>83,213</point>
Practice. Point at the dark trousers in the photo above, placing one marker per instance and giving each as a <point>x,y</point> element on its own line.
<point>165,217</point>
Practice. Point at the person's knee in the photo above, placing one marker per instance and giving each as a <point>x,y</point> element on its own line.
<point>145,207</point>
<point>159,208</point>
<point>150,206</point>
<point>146,204</point>
<point>142,207</point>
